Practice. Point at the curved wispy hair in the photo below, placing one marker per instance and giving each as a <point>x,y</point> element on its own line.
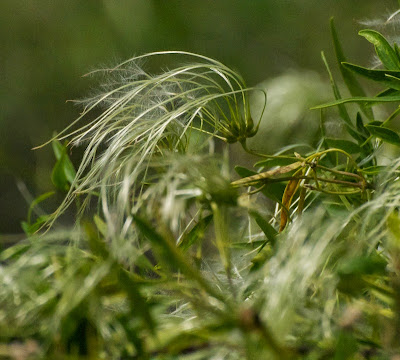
<point>289,275</point>
<point>145,115</point>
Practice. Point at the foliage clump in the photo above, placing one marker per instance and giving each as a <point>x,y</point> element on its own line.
<point>172,258</point>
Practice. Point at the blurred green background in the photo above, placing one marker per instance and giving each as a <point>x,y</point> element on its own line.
<point>47,45</point>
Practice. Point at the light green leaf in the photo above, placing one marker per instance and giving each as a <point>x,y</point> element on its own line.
<point>383,49</point>
<point>63,173</point>
<point>37,201</point>
<point>370,100</point>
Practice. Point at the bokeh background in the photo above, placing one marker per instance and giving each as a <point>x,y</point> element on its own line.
<point>47,45</point>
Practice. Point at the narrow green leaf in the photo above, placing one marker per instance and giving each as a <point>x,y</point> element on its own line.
<point>274,191</point>
<point>360,126</point>
<point>37,201</point>
<point>370,100</point>
<point>63,173</point>
<point>388,92</point>
<point>383,49</point>
<point>351,82</point>
<point>265,226</point>
<point>342,109</point>
<point>397,50</point>
<point>58,176</point>
<point>375,123</point>
<point>58,149</point>
<point>244,172</point>
<point>385,77</point>
<point>346,145</point>
<point>384,134</point>
<point>100,224</point>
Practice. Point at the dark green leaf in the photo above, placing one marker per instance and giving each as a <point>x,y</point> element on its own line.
<point>367,265</point>
<point>383,49</point>
<point>244,172</point>
<point>397,50</point>
<point>265,226</point>
<point>375,123</point>
<point>58,176</point>
<point>274,191</point>
<point>351,82</point>
<point>360,126</point>
<point>346,145</point>
<point>384,134</point>
<point>385,77</point>
<point>388,92</point>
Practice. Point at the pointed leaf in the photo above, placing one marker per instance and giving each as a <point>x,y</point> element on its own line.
<point>348,146</point>
<point>371,100</point>
<point>58,149</point>
<point>360,126</point>
<point>384,134</point>
<point>244,172</point>
<point>351,82</point>
<point>58,176</point>
<point>383,49</point>
<point>63,173</point>
<point>37,201</point>
<point>342,109</point>
<point>265,226</point>
<point>385,77</point>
